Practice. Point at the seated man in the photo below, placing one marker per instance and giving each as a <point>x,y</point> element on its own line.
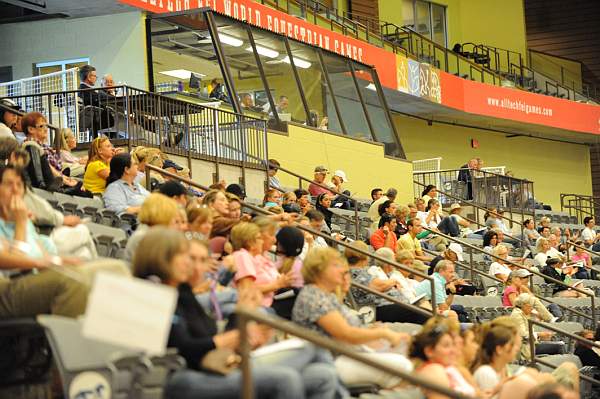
<point>96,101</point>
<point>320,174</point>
<point>588,235</point>
<point>384,236</point>
<point>443,276</point>
<point>303,200</point>
<point>410,242</point>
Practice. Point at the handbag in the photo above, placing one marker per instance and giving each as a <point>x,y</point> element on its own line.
<point>221,361</point>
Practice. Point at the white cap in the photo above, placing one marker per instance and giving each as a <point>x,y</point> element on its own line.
<point>457,249</point>
<point>341,174</point>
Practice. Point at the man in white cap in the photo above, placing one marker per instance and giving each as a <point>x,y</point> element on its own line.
<point>338,178</point>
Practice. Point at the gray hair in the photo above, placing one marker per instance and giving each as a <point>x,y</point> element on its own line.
<point>391,193</point>
<point>442,265</point>
<point>385,253</point>
<point>524,299</point>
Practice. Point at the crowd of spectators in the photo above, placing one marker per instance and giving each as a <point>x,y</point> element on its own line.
<point>285,259</point>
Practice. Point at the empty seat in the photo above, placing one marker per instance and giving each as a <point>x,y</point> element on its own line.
<point>107,238</point>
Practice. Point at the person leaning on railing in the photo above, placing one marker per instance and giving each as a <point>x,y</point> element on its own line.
<point>319,308</point>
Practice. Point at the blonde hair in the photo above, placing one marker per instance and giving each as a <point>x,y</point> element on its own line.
<point>316,261</point>
<point>64,133</point>
<point>155,252</point>
<point>500,248</point>
<point>403,255</point>
<point>539,245</point>
<point>289,196</point>
<point>158,209</point>
<point>265,223</point>
<point>94,151</point>
<point>243,235</point>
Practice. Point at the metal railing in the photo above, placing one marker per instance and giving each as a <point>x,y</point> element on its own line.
<point>548,279</point>
<point>478,209</point>
<point>483,188</point>
<point>579,205</point>
<point>343,244</point>
<point>246,315</point>
<point>531,342</point>
<point>143,118</point>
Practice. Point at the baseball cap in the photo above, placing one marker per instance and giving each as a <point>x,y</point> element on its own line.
<point>290,241</point>
<point>457,249</point>
<point>520,273</point>
<point>321,169</point>
<point>341,174</point>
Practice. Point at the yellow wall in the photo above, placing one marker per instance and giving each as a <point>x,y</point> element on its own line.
<point>364,163</point>
<point>553,167</point>
<point>551,67</point>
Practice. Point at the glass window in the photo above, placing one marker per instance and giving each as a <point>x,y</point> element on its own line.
<point>383,130</point>
<point>408,13</point>
<point>422,18</point>
<point>273,55</point>
<point>438,18</point>
<point>314,86</point>
<point>347,98</point>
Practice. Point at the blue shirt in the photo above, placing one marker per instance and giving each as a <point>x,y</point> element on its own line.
<point>120,195</point>
<point>39,245</point>
<point>424,287</point>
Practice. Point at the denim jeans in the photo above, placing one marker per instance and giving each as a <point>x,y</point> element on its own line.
<point>300,373</point>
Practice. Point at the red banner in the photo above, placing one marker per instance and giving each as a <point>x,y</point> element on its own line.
<point>288,25</point>
<point>507,103</point>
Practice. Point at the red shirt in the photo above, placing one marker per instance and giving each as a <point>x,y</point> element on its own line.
<point>315,190</point>
<point>378,240</point>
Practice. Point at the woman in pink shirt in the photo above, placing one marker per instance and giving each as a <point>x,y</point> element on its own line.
<point>584,258</point>
<point>253,268</point>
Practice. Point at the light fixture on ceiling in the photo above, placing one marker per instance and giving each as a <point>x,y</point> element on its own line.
<point>267,52</point>
<point>299,62</point>
<point>230,40</point>
<point>183,74</point>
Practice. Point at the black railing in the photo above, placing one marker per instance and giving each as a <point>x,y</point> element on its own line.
<point>486,189</point>
<point>139,117</point>
<point>579,205</point>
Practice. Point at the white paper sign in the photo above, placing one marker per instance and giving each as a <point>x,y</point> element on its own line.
<point>130,312</point>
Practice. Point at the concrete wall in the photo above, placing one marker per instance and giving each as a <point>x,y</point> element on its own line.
<point>114,43</point>
<point>554,167</point>
<point>364,163</point>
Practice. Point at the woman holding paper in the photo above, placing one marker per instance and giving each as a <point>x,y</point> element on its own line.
<point>210,354</point>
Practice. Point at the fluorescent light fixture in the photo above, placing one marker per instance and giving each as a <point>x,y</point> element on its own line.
<point>267,52</point>
<point>230,40</point>
<point>299,62</point>
<point>371,86</point>
<point>181,73</point>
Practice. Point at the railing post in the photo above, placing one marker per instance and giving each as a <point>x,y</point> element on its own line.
<point>247,385</point>
<point>216,141</point>
<point>126,107</point>
<point>186,126</point>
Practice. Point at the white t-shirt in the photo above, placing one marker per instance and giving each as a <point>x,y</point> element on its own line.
<point>5,132</point>
<point>588,234</point>
<point>433,223</point>
<point>554,253</point>
<point>486,377</point>
<point>406,287</point>
<point>497,268</point>
<point>540,259</point>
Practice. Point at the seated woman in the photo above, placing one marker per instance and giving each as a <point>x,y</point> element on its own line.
<point>500,345</point>
<point>387,207</point>
<point>385,310</point>
<point>217,202</point>
<point>323,203</point>
<point>272,198</point>
<point>163,253</point>
<point>524,305</point>
<point>45,167</point>
<point>123,194</point>
<point>517,285</point>
<point>75,164</point>
<point>98,167</point>
<point>584,260</point>
<point>157,210</point>
<point>436,356</point>
<point>290,243</point>
<point>253,268</point>
<point>560,271</point>
<point>490,240</point>
<point>319,308</point>
<point>500,268</point>
<point>545,252</point>
<point>200,219</point>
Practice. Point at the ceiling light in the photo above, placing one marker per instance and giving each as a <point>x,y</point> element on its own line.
<point>230,40</point>
<point>299,62</point>
<point>181,73</point>
<point>267,52</point>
